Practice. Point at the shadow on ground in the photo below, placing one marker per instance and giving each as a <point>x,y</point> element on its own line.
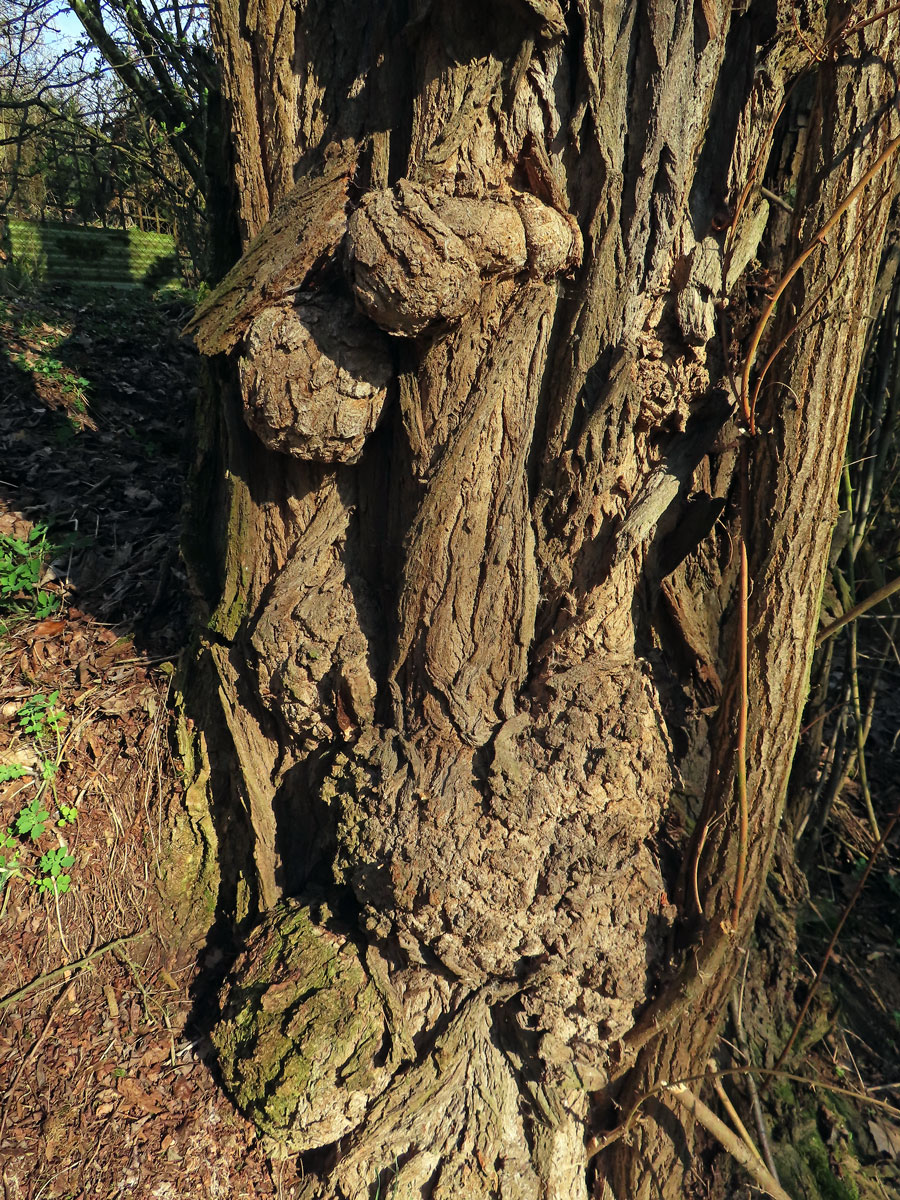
<point>98,392</point>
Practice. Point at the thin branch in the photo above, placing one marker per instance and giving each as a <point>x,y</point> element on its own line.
<point>77,965</point>
<point>857,610</point>
<point>727,1139</point>
<point>736,1121</point>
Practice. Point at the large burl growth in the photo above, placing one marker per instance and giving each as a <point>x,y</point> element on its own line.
<point>473,624</point>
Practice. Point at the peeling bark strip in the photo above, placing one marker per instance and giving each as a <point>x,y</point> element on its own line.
<point>480,491</point>
<point>305,230</point>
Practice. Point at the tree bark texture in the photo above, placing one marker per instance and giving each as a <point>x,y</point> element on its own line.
<point>474,476</point>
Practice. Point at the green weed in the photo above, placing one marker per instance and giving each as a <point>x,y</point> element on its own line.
<point>22,562</point>
<point>46,870</point>
<point>75,387</point>
<point>40,714</point>
<point>68,815</point>
<point>51,867</point>
<point>32,820</point>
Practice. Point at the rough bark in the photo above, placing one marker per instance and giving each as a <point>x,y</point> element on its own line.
<point>475,488</point>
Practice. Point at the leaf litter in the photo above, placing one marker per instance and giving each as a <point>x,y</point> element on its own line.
<point>106,1089</point>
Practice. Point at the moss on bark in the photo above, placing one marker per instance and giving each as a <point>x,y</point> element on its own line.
<point>304,1039</point>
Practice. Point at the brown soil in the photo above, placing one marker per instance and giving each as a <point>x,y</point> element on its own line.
<point>106,1085</point>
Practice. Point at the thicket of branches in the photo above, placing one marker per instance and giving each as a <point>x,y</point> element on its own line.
<point>857,663</point>
<point>103,120</point>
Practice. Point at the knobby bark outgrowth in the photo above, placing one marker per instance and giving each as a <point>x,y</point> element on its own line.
<point>472,471</point>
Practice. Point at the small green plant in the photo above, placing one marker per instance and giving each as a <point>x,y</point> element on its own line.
<point>32,820</point>
<point>40,714</point>
<point>75,387</point>
<point>51,367</point>
<point>21,569</point>
<point>51,867</point>
<point>51,876</point>
<point>41,718</point>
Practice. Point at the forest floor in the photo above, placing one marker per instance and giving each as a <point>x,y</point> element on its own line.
<point>106,1088</point>
<point>107,1083</point>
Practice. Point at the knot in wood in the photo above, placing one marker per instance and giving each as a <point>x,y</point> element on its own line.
<point>314,378</point>
<point>553,238</point>
<point>409,269</point>
<point>302,1029</point>
<point>419,257</point>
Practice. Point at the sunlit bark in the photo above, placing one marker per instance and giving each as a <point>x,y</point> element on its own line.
<point>472,472</point>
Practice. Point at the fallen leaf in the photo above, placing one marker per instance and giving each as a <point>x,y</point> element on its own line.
<point>156,1054</point>
<point>49,628</point>
<point>132,1092</point>
<point>26,757</point>
<point>886,1137</point>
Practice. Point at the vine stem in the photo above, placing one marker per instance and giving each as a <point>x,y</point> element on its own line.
<point>744,701</point>
<point>748,411</point>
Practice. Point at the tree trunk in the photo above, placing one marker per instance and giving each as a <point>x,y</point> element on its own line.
<point>470,504</point>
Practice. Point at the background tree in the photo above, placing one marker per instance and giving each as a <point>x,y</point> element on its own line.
<point>161,55</point>
<point>124,119</point>
<point>511,581</point>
